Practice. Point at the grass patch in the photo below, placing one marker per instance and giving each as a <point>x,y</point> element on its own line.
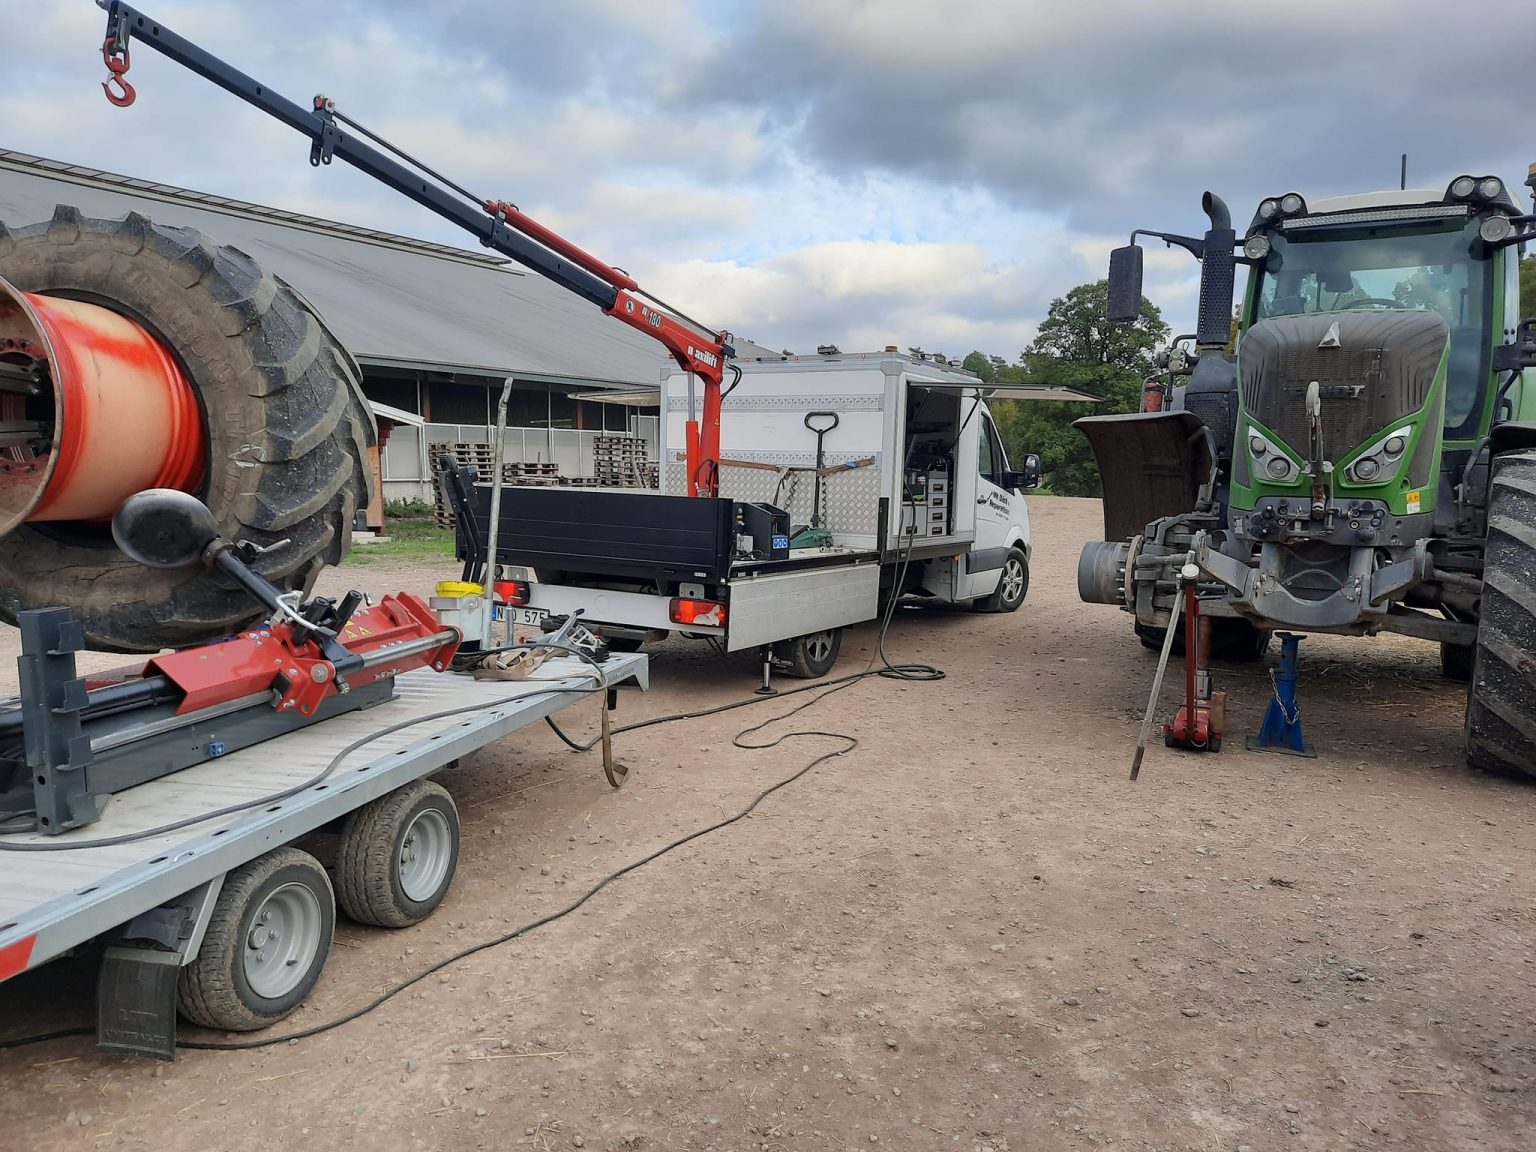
<point>409,536</point>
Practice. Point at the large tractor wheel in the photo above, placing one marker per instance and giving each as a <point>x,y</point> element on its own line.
<point>1501,706</point>
<point>286,426</point>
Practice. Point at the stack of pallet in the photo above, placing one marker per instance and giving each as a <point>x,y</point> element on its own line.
<point>530,475</point>
<point>482,458</point>
<point>622,461</point>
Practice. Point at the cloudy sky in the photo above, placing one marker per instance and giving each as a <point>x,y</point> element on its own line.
<point>804,171</point>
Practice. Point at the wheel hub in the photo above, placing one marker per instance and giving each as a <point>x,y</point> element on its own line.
<point>285,936</point>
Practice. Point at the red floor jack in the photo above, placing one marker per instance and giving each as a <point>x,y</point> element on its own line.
<point>1199,723</point>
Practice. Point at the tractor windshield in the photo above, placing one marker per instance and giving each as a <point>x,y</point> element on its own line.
<point>1327,269</point>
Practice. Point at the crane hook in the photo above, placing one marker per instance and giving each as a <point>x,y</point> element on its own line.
<point>116,60</point>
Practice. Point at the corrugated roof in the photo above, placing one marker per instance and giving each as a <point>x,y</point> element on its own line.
<point>392,300</point>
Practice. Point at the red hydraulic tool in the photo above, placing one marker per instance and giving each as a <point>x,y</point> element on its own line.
<point>72,742</point>
<point>497,224</point>
<point>1198,723</point>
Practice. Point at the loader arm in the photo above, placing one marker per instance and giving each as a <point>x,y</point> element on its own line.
<point>497,224</point>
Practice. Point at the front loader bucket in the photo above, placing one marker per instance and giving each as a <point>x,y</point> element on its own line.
<point>1151,465</point>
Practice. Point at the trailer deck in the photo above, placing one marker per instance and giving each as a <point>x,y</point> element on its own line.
<point>52,901</point>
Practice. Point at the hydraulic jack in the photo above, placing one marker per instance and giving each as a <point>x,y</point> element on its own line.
<point>1198,723</point>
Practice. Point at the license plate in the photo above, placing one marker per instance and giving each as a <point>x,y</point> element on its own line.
<point>534,616</point>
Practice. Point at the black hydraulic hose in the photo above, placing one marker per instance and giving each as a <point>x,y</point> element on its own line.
<point>108,701</point>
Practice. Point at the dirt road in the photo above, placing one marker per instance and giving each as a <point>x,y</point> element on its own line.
<point>970,932</point>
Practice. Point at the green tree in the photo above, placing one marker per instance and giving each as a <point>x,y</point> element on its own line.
<point>980,364</point>
<point>1528,286</point>
<point>1077,347</point>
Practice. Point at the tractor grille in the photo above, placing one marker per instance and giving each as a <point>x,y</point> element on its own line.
<point>1313,569</point>
<point>1390,356</point>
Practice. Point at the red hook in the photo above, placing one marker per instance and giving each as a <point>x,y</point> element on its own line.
<point>116,61</point>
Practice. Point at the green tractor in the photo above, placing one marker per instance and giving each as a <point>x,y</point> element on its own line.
<point>1364,462</point>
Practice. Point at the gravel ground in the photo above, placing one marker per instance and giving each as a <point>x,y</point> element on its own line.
<point>969,932</point>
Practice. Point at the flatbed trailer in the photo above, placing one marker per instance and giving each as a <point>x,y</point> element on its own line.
<point>153,900</point>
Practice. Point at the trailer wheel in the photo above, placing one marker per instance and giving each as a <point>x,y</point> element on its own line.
<point>287,425</point>
<point>1501,706</point>
<point>397,856</point>
<point>266,942</point>
<point>812,656</point>
<point>1012,584</point>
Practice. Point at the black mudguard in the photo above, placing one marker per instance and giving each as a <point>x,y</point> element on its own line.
<point>1151,465</point>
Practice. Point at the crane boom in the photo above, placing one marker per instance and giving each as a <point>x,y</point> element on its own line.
<point>497,224</point>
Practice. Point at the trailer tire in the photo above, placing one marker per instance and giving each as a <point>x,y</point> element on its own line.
<point>397,856</point>
<point>266,942</point>
<point>812,656</point>
<point>1012,584</point>
<point>287,426</point>
<point>1501,704</point>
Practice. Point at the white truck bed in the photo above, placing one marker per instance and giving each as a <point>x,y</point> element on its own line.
<point>53,901</point>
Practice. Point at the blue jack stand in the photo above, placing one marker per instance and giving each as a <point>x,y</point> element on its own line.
<point>1281,730</point>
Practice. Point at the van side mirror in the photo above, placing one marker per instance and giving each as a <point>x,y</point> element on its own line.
<point>1125,284</point>
<point>1026,477</point>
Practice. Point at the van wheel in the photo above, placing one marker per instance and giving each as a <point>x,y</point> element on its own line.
<point>265,945</point>
<point>812,657</point>
<point>1012,585</point>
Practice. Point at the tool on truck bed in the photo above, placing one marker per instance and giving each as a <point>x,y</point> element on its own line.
<point>496,223</point>
<point>67,742</point>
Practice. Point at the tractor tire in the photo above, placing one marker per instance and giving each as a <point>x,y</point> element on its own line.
<point>1233,641</point>
<point>1501,705</point>
<point>287,426</point>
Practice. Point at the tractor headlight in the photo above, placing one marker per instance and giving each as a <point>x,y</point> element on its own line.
<point>1489,187</point>
<point>1495,228</point>
<point>1257,247</point>
<point>1381,461</point>
<point>1463,186</point>
<point>1269,463</point>
<point>1269,209</point>
<point>1290,203</point>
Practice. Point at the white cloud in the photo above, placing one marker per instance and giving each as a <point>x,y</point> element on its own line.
<point>807,170</point>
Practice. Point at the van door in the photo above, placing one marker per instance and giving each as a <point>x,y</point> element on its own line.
<point>994,512</point>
